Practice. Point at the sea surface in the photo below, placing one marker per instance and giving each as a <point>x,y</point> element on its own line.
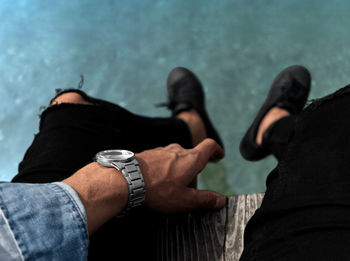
<point>125,50</point>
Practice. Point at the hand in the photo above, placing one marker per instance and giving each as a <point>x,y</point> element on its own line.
<point>168,173</point>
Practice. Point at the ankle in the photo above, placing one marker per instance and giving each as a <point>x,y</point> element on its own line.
<point>195,124</point>
<point>272,116</point>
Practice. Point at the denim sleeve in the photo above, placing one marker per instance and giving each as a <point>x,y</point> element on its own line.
<point>42,222</point>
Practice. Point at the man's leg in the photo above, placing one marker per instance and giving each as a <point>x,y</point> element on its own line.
<point>305,212</point>
<point>190,117</point>
<point>277,127</point>
<point>73,129</point>
<point>273,125</point>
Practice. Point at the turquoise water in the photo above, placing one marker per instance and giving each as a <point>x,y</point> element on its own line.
<point>125,49</point>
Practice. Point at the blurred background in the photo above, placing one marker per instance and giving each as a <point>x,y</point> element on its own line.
<point>125,50</point>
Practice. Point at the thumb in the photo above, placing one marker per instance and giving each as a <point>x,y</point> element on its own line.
<point>207,199</point>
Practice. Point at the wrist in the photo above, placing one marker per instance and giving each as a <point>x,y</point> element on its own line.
<point>125,162</point>
<point>103,192</point>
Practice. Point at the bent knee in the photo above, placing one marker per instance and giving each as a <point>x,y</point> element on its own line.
<point>69,97</point>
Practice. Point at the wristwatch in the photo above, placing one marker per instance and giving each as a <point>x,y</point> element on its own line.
<point>126,162</point>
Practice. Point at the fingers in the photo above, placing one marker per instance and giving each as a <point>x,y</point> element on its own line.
<point>208,148</point>
<point>205,150</point>
<point>194,183</point>
<point>206,199</point>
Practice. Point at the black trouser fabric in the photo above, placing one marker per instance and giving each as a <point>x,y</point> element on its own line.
<point>279,135</point>
<point>305,214</point>
<point>71,134</point>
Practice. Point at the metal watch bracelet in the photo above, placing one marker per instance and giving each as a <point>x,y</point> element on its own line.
<point>136,186</point>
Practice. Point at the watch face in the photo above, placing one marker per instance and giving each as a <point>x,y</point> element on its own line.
<point>108,156</point>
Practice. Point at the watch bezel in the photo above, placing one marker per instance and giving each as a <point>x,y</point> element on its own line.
<point>101,157</point>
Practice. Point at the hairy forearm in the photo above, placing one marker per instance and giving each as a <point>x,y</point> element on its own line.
<point>103,192</point>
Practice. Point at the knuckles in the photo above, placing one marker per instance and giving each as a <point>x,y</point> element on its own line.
<point>174,146</point>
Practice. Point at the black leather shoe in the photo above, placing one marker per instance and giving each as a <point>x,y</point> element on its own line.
<point>185,92</point>
<point>288,91</point>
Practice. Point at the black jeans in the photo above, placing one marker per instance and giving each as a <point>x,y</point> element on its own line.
<point>69,137</point>
<point>71,134</point>
<point>279,136</point>
<point>305,214</point>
